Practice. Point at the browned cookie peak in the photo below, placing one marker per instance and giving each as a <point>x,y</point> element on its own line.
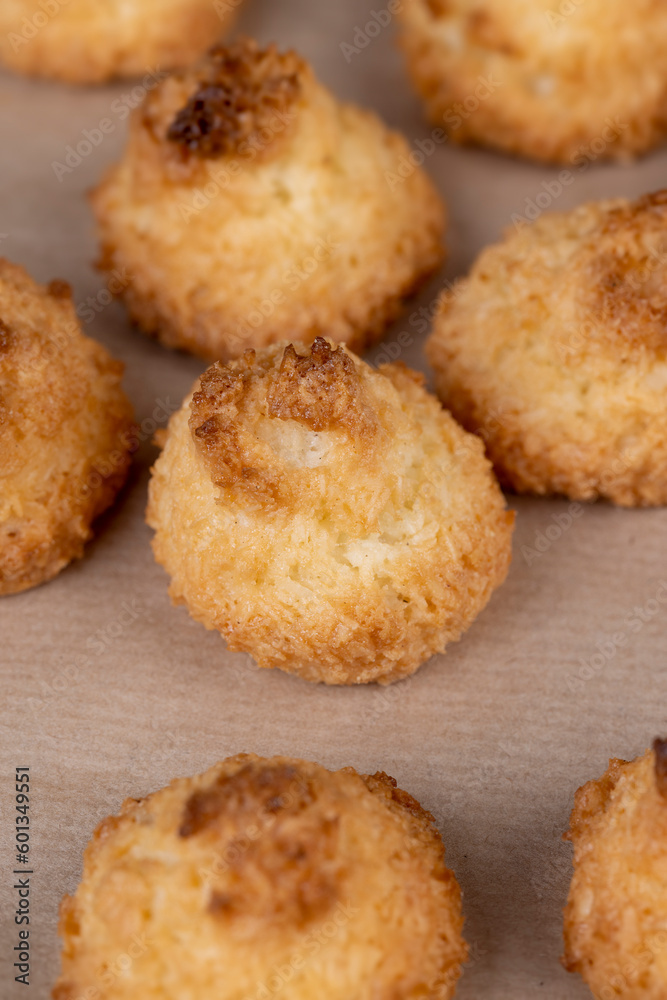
<point>321,389</point>
<point>6,336</point>
<point>660,750</point>
<point>260,786</point>
<point>242,91</point>
<point>269,795</point>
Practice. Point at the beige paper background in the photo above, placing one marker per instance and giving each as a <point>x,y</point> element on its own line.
<point>490,738</point>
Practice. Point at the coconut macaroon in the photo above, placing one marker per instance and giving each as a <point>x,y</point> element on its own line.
<point>88,41</point>
<point>263,876</point>
<point>554,351</point>
<point>616,915</point>
<point>329,519</point>
<point>66,430</point>
<point>549,80</point>
<point>251,207</point>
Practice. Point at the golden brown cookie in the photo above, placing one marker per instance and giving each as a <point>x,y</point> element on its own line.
<point>329,519</point>
<point>616,915</point>
<point>88,41</point>
<point>265,876</point>
<point>251,207</point>
<point>66,430</point>
<point>554,351</point>
<point>557,80</point>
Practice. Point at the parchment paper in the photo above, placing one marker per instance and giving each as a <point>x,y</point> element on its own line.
<point>108,691</point>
